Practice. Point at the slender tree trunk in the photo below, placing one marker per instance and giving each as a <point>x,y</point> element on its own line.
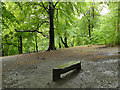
<point>59,45</point>
<point>36,44</point>
<point>65,42</point>
<point>89,29</point>
<point>36,47</point>
<point>51,31</point>
<point>118,32</point>
<point>3,53</point>
<point>65,39</point>
<point>93,18</point>
<point>20,44</point>
<point>57,29</point>
<point>118,23</point>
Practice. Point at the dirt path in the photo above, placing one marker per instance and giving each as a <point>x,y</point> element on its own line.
<point>34,70</point>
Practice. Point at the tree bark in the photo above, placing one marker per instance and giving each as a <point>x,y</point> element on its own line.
<point>59,45</point>
<point>51,31</point>
<point>89,29</point>
<point>20,44</point>
<point>118,32</point>
<point>93,18</point>
<point>64,42</point>
<point>118,29</point>
<point>36,44</point>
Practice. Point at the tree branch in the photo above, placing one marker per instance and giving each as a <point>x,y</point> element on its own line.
<point>86,13</point>
<point>56,3</point>
<point>38,26</point>
<point>61,38</point>
<point>43,34</point>
<point>44,7</point>
<point>32,31</point>
<point>10,43</point>
<point>25,30</point>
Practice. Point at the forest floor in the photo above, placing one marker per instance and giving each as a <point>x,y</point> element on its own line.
<point>34,70</point>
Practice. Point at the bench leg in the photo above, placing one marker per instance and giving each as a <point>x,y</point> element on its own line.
<point>79,67</point>
<point>56,74</point>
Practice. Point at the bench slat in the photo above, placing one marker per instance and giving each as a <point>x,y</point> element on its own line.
<point>67,64</point>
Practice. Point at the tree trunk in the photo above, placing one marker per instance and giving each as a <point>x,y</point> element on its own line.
<point>59,43</point>
<point>57,28</point>
<point>65,42</point>
<point>51,31</point>
<point>118,37</point>
<point>36,44</point>
<point>36,47</point>
<point>118,23</point>
<point>89,29</point>
<point>20,44</point>
<point>93,18</point>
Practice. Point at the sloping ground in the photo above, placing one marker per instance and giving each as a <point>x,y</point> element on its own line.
<point>34,70</point>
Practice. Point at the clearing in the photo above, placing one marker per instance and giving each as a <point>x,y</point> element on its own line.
<point>34,70</point>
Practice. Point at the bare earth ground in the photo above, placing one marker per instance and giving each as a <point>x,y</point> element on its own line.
<point>99,68</point>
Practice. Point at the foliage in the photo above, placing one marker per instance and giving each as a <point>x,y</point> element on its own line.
<point>71,20</point>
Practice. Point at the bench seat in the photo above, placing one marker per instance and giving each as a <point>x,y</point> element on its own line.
<point>65,68</point>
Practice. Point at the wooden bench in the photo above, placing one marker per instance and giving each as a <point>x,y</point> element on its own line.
<point>65,68</point>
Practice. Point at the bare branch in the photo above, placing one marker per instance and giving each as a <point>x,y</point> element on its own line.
<point>56,3</point>
<point>61,38</point>
<point>44,7</point>
<point>86,13</point>
<point>25,30</point>
<point>38,26</point>
<point>10,43</point>
<point>43,34</point>
<point>32,31</point>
